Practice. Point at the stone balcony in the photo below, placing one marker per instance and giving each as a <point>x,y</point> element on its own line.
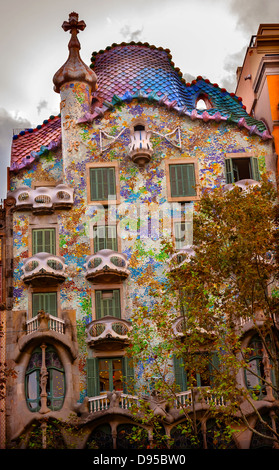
<point>43,200</point>
<point>242,184</point>
<point>108,332</point>
<point>44,269</point>
<point>106,266</point>
<point>140,149</point>
<point>179,258</point>
<point>200,398</point>
<point>44,327</point>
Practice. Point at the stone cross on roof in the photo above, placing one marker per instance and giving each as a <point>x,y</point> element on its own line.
<point>73,25</point>
<point>74,69</point>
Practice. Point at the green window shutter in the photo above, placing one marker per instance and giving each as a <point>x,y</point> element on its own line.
<point>116,304</point>
<point>98,304</point>
<point>105,307</point>
<point>213,366</point>
<point>46,301</point>
<point>35,304</point>
<point>128,374</point>
<point>105,237</point>
<point>43,240</point>
<point>255,172</point>
<point>102,183</point>
<point>51,303</point>
<point>92,369</point>
<point>182,180</point>
<point>180,373</point>
<point>229,171</point>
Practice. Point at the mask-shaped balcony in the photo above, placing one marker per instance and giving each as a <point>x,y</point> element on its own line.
<point>44,269</point>
<point>179,258</point>
<point>140,149</point>
<point>43,200</point>
<point>106,266</point>
<point>243,185</point>
<point>108,332</point>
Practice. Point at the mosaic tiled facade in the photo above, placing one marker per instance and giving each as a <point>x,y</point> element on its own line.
<point>137,84</point>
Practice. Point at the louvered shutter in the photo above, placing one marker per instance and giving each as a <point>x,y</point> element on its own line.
<point>182,180</point>
<point>229,171</point>
<point>102,183</point>
<point>35,304</point>
<point>189,179</point>
<point>92,369</point>
<point>128,374</point>
<point>116,303</point>
<point>43,240</point>
<point>255,172</point>
<point>180,373</point>
<point>98,304</point>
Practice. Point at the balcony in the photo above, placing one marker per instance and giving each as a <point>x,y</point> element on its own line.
<point>179,258</point>
<point>242,184</point>
<point>106,266</point>
<point>140,149</point>
<point>43,200</point>
<point>108,332</point>
<point>44,269</point>
<point>199,397</point>
<point>45,322</point>
<point>104,402</point>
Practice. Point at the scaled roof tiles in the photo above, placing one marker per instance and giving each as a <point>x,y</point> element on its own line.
<point>140,71</point>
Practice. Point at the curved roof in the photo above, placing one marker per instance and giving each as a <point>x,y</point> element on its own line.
<point>139,71</point>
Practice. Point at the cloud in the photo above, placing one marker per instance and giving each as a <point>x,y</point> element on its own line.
<point>42,104</point>
<point>251,13</point>
<point>232,61</point>
<point>8,124</point>
<point>132,33</point>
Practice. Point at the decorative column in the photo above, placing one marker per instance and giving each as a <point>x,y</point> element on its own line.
<point>43,382</point>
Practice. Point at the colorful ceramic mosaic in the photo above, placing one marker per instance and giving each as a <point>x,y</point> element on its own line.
<point>178,131</point>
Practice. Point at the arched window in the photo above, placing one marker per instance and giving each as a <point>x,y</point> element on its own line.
<point>254,373</point>
<point>203,102</point>
<point>55,384</point>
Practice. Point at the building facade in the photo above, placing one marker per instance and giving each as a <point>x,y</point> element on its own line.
<point>258,78</point>
<point>133,140</point>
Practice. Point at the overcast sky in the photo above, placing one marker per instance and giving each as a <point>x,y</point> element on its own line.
<point>205,37</point>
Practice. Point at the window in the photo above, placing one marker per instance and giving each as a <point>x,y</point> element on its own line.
<point>55,386</point>
<point>43,240</point>
<point>202,374</point>
<point>107,374</point>
<point>46,301</point>
<point>254,373</point>
<point>241,168</point>
<point>105,237</point>
<point>102,183</point>
<point>183,232</point>
<point>181,180</point>
<point>107,302</point>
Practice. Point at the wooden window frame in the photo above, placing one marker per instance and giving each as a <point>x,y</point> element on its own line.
<point>107,287</point>
<point>42,226</point>
<point>43,290</point>
<point>105,224</point>
<point>174,222</point>
<point>236,156</point>
<point>104,202</point>
<point>182,161</point>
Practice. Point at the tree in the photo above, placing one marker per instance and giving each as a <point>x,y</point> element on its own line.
<point>225,288</point>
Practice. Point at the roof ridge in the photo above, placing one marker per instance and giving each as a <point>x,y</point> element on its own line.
<point>39,126</point>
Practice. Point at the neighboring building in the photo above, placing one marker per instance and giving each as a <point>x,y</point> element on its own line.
<point>258,79</point>
<point>131,138</point>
